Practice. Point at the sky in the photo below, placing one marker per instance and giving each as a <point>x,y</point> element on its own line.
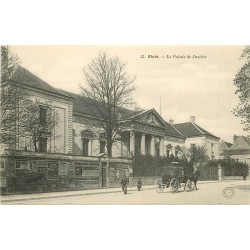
<point>178,81</point>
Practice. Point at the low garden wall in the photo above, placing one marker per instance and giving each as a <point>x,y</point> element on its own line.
<point>229,178</point>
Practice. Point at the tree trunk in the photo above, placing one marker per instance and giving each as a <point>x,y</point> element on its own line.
<point>109,148</point>
<point>35,145</point>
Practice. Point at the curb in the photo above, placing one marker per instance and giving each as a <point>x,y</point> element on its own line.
<point>67,195</point>
<point>88,192</point>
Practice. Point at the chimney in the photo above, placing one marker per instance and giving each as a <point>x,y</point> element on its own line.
<point>171,121</point>
<point>235,137</point>
<point>192,119</point>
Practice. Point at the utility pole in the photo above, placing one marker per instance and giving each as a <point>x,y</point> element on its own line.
<point>160,105</point>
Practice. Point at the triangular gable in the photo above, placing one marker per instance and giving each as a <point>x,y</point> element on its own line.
<point>150,117</point>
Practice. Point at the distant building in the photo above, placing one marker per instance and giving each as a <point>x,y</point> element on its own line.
<point>223,146</point>
<point>240,150</point>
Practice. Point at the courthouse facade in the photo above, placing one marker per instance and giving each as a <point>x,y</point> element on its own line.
<point>76,149</point>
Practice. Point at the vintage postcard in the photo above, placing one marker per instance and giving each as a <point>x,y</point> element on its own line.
<point>125,125</point>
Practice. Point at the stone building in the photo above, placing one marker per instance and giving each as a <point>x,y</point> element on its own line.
<point>223,145</point>
<point>240,150</point>
<point>75,153</point>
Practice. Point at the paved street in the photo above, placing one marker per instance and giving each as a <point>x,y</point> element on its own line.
<point>235,192</point>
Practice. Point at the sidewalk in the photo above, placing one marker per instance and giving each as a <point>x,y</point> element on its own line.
<point>22,197</point>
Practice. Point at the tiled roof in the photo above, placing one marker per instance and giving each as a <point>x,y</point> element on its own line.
<point>189,129</point>
<point>23,76</point>
<point>228,144</point>
<point>80,106</point>
<point>242,142</point>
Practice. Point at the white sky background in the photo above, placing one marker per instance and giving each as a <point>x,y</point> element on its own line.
<point>199,87</point>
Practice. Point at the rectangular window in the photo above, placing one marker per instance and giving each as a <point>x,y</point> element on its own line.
<point>43,115</point>
<point>102,146</point>
<point>78,169</point>
<point>168,153</point>
<point>43,144</point>
<point>85,146</point>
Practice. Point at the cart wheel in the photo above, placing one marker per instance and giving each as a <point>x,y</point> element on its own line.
<point>174,184</point>
<point>159,186</point>
<point>190,185</point>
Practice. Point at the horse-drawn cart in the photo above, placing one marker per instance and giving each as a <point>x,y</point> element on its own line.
<point>173,177</point>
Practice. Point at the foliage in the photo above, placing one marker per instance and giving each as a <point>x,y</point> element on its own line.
<point>12,95</point>
<point>231,167</point>
<point>148,165</point>
<point>193,154</point>
<point>108,91</point>
<point>242,83</point>
<point>31,125</point>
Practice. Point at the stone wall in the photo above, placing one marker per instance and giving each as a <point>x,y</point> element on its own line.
<point>231,178</point>
<point>31,172</point>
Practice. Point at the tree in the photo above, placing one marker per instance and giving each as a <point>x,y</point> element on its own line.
<point>242,83</point>
<point>37,121</point>
<point>12,95</point>
<point>192,155</point>
<point>107,93</point>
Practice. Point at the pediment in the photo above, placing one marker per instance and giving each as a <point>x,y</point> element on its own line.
<point>151,117</point>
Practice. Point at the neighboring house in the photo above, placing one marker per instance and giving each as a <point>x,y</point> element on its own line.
<point>223,146</point>
<point>195,135</point>
<point>240,150</point>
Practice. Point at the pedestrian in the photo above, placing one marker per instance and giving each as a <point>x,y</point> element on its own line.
<point>139,184</point>
<point>124,183</point>
<point>244,175</point>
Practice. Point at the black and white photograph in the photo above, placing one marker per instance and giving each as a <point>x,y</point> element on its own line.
<point>125,125</point>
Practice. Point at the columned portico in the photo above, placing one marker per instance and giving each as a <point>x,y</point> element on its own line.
<point>146,144</point>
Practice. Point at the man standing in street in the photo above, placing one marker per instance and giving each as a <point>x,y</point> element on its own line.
<point>124,183</point>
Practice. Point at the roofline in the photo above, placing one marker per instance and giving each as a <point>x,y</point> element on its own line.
<point>203,134</point>
<point>30,87</point>
<point>85,115</point>
<point>198,128</point>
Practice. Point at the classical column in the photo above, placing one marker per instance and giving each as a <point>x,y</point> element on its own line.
<point>152,146</point>
<point>143,144</point>
<point>132,142</point>
<point>161,146</point>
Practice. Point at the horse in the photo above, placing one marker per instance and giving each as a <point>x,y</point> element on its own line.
<point>193,177</point>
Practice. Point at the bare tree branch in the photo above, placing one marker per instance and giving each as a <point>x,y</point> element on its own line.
<point>108,91</point>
